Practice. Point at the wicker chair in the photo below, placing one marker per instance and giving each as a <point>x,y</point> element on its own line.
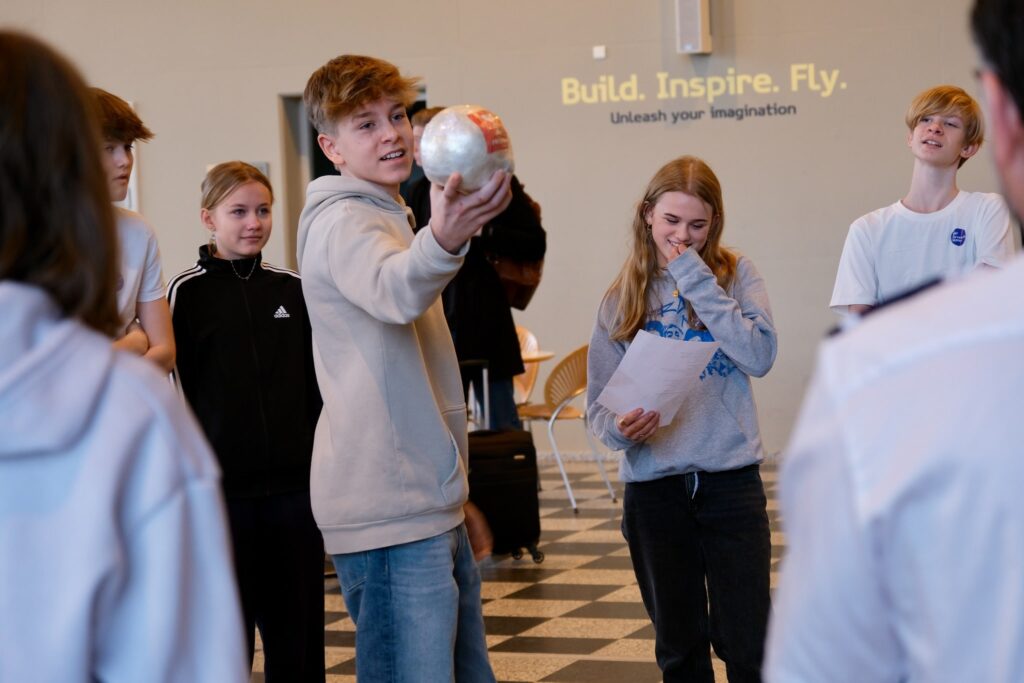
<point>523,383</point>
<point>567,381</point>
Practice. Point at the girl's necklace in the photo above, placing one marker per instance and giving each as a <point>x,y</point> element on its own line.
<point>239,275</point>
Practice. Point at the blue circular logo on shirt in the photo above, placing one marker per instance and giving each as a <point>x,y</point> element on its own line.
<point>958,236</point>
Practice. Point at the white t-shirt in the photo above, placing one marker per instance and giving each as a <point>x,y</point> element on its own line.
<point>894,249</point>
<point>141,277</point>
<point>901,497</point>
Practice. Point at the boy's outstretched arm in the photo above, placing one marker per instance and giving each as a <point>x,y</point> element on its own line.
<point>455,217</point>
<point>155,317</point>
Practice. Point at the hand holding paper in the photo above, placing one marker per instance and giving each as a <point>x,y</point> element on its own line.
<point>656,374</point>
<point>637,425</point>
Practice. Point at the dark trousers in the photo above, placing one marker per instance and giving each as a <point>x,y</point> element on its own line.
<point>696,540</point>
<point>504,413</point>
<point>279,565</point>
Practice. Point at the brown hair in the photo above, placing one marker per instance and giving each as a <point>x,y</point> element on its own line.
<point>949,100</point>
<point>348,82</point>
<point>118,121</point>
<point>632,286</point>
<point>222,179</point>
<point>424,116</point>
<point>57,227</point>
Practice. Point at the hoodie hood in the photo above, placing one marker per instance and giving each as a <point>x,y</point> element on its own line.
<point>330,189</point>
<point>52,370</point>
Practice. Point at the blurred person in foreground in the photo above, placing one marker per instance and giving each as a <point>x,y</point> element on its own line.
<point>901,488</point>
<point>114,559</point>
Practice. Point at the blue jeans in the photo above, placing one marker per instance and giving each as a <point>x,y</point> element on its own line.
<point>701,549</point>
<point>417,611</point>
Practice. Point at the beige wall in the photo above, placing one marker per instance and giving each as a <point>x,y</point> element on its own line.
<point>207,78</point>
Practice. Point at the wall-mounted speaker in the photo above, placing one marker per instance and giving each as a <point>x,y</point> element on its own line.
<point>693,26</point>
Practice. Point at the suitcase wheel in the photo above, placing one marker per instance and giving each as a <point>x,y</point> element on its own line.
<point>517,554</point>
<point>537,555</point>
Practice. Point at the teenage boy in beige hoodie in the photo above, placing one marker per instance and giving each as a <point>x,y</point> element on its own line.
<point>388,479</point>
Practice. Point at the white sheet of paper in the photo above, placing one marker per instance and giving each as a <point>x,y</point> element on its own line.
<point>656,374</point>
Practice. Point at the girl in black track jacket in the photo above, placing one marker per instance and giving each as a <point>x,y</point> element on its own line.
<point>245,366</point>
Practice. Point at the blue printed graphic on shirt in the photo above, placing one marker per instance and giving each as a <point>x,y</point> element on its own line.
<point>671,323</point>
<point>671,320</point>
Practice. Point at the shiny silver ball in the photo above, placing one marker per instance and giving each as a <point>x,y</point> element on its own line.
<point>468,139</point>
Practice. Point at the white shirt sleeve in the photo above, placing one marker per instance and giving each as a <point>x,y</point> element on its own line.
<point>857,277</point>
<point>995,240</point>
<point>152,286</point>
<point>829,611</point>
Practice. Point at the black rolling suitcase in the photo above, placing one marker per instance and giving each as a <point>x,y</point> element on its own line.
<point>503,484</point>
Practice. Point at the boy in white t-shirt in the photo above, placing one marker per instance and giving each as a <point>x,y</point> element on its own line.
<point>145,316</point>
<point>935,230</point>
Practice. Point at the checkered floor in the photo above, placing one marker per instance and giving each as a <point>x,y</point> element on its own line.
<point>577,617</point>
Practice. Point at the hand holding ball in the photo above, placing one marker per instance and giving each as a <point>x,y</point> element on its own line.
<point>469,140</point>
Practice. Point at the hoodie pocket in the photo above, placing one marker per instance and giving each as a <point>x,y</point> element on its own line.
<point>456,484</point>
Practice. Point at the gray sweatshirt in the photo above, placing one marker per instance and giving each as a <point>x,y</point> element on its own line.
<point>716,428</point>
<point>390,447</point>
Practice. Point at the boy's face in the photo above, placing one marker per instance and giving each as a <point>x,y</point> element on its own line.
<point>938,140</point>
<point>373,143</point>
<point>118,159</point>
<point>1007,126</point>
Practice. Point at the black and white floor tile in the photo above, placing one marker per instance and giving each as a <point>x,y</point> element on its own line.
<point>575,618</point>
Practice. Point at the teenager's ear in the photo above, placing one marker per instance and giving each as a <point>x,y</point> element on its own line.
<point>330,149</point>
<point>649,213</point>
<point>969,151</point>
<point>207,219</point>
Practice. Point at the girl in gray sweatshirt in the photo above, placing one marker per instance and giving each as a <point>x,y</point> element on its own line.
<point>694,506</point>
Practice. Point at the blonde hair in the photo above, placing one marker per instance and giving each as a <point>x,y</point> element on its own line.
<point>949,100</point>
<point>632,287</point>
<point>348,82</point>
<point>222,179</point>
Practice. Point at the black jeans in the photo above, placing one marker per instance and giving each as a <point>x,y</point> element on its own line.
<point>698,539</point>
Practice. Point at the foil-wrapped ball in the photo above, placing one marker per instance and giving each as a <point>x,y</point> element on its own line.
<point>468,139</point>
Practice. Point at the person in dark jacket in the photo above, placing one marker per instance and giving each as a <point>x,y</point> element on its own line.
<point>475,303</point>
<point>245,366</point>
